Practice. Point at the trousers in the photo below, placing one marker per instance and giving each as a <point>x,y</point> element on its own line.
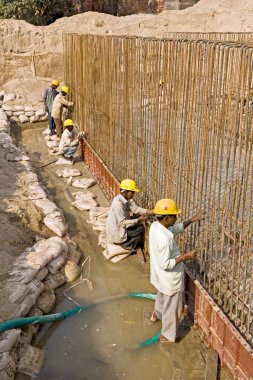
<point>68,153</point>
<point>59,127</point>
<point>51,123</point>
<point>135,237</point>
<point>169,310</point>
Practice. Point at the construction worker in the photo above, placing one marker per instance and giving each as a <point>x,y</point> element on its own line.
<point>167,269</point>
<point>120,227</point>
<point>59,103</point>
<point>48,99</point>
<point>69,140</point>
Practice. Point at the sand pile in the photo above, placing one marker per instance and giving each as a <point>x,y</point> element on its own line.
<point>35,53</point>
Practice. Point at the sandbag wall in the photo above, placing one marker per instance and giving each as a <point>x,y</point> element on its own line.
<point>37,272</point>
<point>22,113</point>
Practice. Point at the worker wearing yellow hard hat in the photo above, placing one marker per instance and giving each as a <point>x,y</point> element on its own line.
<point>59,104</point>
<point>69,140</point>
<point>121,228</point>
<point>48,99</point>
<point>166,265</point>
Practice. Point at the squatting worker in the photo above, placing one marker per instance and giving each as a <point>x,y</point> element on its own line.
<point>120,227</point>
<point>59,103</point>
<point>69,140</point>
<point>48,99</point>
<point>167,269</point>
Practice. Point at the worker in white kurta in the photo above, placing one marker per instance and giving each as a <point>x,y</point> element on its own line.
<point>121,228</point>
<point>167,269</point>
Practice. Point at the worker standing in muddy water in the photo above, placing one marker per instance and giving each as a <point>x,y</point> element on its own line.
<point>121,229</point>
<point>48,99</point>
<point>167,269</point>
<point>59,103</point>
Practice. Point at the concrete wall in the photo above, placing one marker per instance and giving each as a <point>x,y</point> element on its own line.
<point>178,4</point>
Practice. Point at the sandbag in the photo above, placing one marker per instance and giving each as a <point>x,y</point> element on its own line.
<point>114,250</point>
<point>46,131</point>
<point>35,289</point>
<point>35,312</point>
<point>9,97</point>
<point>46,301</point>
<point>84,204</point>
<point>52,144</point>
<point>17,292</point>
<point>40,113</point>
<point>63,161</point>
<point>118,258</point>
<point>56,264</point>
<point>54,138</point>
<point>42,274</point>
<point>98,213</point>
<point>24,308</point>
<point>72,271</point>
<point>23,272</point>
<point>85,194</point>
<point>23,119</point>
<point>84,183</point>
<point>45,206</point>
<point>36,192</point>
<point>65,173</point>
<point>18,113</point>
<point>31,360</point>
<point>54,281</point>
<point>34,119</point>
<point>29,109</point>
<point>99,225</point>
<point>26,335</point>
<point>29,113</point>
<point>8,339</point>
<point>7,366</point>
<point>18,108</point>
<point>73,254</point>
<point>55,222</point>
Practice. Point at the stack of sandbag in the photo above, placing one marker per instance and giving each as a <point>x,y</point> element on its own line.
<point>4,122</point>
<point>24,114</point>
<point>84,200</point>
<point>30,291</point>
<point>98,217</point>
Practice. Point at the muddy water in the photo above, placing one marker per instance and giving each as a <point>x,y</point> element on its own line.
<point>99,343</point>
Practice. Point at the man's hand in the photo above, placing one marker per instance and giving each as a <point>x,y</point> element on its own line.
<point>198,217</point>
<point>149,212</point>
<point>191,255</point>
<point>142,218</point>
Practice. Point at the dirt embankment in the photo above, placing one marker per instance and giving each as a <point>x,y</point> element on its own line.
<point>31,56</point>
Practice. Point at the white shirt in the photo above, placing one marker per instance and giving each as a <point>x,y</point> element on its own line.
<point>58,104</point>
<point>119,218</point>
<point>166,275</point>
<point>68,139</point>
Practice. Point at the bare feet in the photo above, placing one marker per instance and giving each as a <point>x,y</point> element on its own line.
<point>154,317</point>
<point>165,340</point>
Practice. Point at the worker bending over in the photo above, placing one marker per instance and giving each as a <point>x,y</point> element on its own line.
<point>120,227</point>
<point>59,103</point>
<point>48,99</point>
<point>69,140</point>
<point>167,269</point>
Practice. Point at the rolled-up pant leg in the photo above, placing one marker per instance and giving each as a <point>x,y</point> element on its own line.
<point>59,127</point>
<point>170,309</point>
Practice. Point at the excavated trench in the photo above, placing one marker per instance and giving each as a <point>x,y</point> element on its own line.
<point>98,343</point>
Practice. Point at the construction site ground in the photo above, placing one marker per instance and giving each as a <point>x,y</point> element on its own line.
<point>99,343</point>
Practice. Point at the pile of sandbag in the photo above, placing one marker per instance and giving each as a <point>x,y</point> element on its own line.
<point>30,291</point>
<point>24,114</point>
<point>84,200</point>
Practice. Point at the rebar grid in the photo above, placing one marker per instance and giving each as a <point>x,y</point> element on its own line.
<point>176,116</point>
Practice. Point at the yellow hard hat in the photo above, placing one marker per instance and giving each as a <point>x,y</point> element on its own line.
<point>68,122</point>
<point>55,82</point>
<point>166,207</point>
<point>65,89</point>
<point>128,184</point>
